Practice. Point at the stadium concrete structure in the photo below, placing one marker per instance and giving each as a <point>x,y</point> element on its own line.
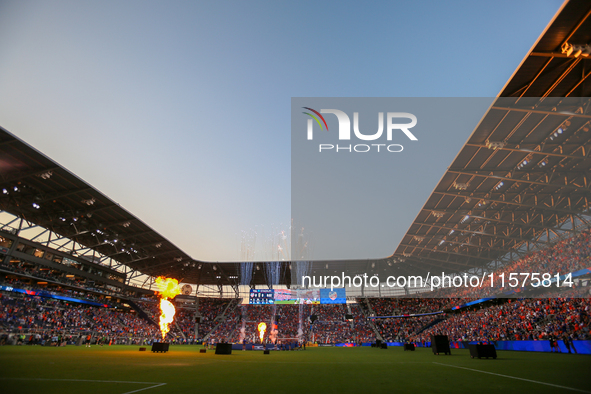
<point>520,184</point>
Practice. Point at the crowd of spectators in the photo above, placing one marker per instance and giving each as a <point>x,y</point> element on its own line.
<point>38,272</point>
<point>409,306</point>
<point>515,319</point>
<point>561,313</point>
<point>332,326</point>
<point>566,256</point>
<point>519,319</point>
<point>252,316</point>
<point>210,310</point>
<point>58,290</point>
<point>288,320</point>
<point>39,315</point>
<point>224,331</point>
<point>361,326</point>
<point>401,329</point>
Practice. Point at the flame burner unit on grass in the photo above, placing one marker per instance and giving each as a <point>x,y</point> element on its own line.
<point>160,347</point>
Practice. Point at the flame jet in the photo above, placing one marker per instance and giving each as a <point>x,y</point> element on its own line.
<point>262,328</point>
<point>168,288</point>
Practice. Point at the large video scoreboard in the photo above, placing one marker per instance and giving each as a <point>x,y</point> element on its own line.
<point>306,296</point>
<point>261,297</point>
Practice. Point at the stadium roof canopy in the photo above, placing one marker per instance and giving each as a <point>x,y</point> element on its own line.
<point>35,188</point>
<point>521,179</point>
<point>42,193</point>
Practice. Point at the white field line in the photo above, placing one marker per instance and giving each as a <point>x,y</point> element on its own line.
<point>145,388</point>
<point>154,384</point>
<point>515,377</point>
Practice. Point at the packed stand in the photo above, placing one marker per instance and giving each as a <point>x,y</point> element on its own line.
<point>224,331</point>
<point>25,314</point>
<point>566,256</point>
<point>520,319</point>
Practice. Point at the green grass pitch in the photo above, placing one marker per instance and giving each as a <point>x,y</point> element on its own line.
<point>123,369</point>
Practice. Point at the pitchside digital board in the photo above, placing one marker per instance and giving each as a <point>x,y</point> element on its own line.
<point>287,296</point>
<point>46,294</point>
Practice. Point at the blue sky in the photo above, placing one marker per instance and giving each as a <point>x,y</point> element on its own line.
<point>180,110</point>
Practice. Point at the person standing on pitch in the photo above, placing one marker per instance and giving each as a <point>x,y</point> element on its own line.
<point>571,344</point>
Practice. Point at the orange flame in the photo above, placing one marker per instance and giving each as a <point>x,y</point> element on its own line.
<point>168,288</point>
<point>262,328</point>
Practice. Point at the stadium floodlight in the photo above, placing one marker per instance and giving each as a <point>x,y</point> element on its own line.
<point>461,186</point>
<point>45,175</point>
<point>567,49</point>
<point>89,201</point>
<point>495,144</point>
<point>571,50</point>
<point>524,162</point>
<point>438,214</point>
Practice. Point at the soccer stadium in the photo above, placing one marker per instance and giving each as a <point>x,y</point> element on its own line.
<point>496,265</point>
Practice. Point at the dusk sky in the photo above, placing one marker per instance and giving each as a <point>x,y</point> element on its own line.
<point>180,110</point>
